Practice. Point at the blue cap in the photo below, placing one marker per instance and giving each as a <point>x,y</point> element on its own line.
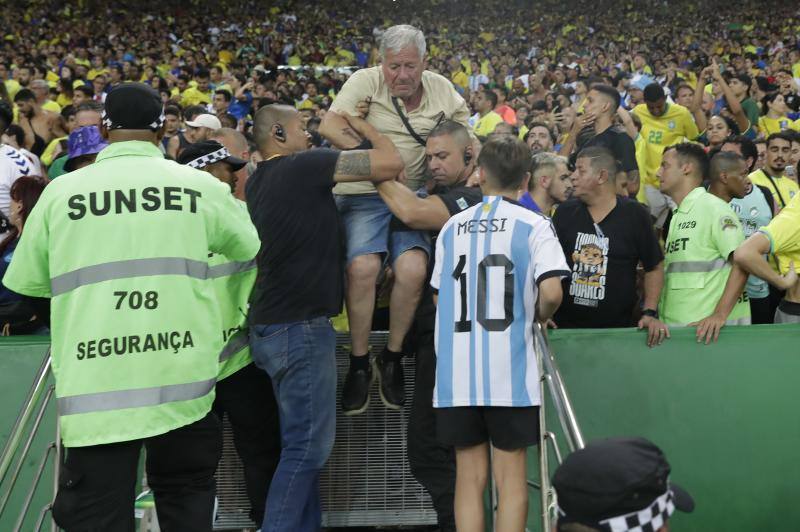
<point>641,81</point>
<point>83,141</point>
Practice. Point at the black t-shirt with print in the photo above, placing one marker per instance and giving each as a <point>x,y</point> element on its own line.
<point>601,289</point>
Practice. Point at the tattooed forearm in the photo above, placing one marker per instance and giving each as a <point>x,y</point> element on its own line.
<point>355,163</point>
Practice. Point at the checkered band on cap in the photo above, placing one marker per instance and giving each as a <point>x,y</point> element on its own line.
<point>209,158</point>
<point>648,520</point>
<point>154,126</point>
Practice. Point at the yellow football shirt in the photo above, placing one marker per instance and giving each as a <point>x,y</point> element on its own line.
<point>193,96</point>
<point>674,126</point>
<point>768,126</point>
<point>486,124</point>
<point>784,235</point>
<point>783,189</point>
<point>460,80</point>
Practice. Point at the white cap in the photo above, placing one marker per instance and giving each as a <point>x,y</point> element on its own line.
<point>205,120</point>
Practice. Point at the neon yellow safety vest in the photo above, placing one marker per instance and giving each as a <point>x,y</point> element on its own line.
<point>121,247</point>
<point>233,282</point>
<point>704,231</point>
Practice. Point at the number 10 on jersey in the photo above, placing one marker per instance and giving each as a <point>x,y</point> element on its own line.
<point>481,297</point>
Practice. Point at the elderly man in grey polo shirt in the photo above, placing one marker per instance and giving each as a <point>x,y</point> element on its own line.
<point>405,103</point>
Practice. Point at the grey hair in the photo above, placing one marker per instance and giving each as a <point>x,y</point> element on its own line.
<point>400,37</point>
<point>545,161</point>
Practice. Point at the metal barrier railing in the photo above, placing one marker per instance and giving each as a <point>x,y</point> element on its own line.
<point>38,399</point>
<point>41,394</point>
<point>549,373</point>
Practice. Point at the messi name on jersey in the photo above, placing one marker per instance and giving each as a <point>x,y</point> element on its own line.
<point>124,201</point>
<point>485,225</point>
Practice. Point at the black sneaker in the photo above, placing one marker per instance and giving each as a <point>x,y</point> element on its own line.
<point>392,381</point>
<point>355,391</point>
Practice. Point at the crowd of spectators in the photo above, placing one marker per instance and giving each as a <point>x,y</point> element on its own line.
<point>539,58</point>
<point>679,117</point>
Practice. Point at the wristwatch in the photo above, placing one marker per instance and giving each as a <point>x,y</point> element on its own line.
<point>650,312</point>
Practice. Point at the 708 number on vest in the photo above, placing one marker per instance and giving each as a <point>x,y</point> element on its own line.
<point>136,300</point>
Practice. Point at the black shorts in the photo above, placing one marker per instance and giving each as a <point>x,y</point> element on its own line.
<point>507,428</point>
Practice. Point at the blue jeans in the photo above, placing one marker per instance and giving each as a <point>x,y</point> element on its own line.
<point>366,221</point>
<point>300,359</point>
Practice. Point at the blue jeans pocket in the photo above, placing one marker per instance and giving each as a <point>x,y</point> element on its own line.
<point>269,347</point>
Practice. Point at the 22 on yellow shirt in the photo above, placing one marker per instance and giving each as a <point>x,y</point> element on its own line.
<point>674,126</point>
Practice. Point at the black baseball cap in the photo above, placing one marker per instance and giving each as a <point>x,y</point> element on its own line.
<point>133,106</point>
<point>618,484</point>
<point>765,85</point>
<point>201,154</point>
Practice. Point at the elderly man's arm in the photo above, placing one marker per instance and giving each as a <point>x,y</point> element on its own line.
<point>460,112</point>
<point>380,163</point>
<point>428,214</point>
<point>335,128</point>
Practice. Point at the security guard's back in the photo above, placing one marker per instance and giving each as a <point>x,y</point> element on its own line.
<point>122,249</point>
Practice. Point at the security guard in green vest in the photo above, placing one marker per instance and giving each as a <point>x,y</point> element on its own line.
<point>121,247</point>
<point>244,391</point>
<point>701,288</point>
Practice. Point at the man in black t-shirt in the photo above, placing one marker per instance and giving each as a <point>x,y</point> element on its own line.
<point>604,238</point>
<point>299,287</point>
<point>450,161</point>
<point>601,106</point>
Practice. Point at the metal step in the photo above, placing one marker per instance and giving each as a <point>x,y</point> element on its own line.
<point>366,482</point>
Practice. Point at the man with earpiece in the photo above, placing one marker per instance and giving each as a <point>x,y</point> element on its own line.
<point>450,161</point>
<point>299,287</point>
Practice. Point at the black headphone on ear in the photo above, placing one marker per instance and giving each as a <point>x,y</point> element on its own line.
<point>279,133</point>
<point>467,156</point>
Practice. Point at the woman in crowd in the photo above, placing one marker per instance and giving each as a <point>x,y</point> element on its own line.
<point>773,118</point>
<point>719,130</point>
<point>18,313</point>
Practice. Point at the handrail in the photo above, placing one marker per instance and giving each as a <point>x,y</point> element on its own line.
<point>17,431</point>
<point>26,448</point>
<point>558,393</point>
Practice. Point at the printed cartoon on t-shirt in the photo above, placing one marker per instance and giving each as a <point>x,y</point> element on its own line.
<point>590,260</point>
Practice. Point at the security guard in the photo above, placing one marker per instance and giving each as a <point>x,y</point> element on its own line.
<point>699,288</point>
<point>244,392</point>
<point>121,247</point>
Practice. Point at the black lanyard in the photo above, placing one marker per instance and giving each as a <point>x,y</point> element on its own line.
<point>406,123</point>
<point>775,186</point>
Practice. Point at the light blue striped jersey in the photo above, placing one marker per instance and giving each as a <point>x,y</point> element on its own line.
<point>754,212</point>
<point>490,259</point>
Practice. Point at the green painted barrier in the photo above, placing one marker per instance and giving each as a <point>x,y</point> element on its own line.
<point>725,414</point>
<point>20,359</point>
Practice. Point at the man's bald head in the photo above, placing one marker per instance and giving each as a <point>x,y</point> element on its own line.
<point>231,139</point>
<point>266,120</point>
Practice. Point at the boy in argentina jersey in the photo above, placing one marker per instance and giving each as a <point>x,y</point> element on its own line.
<point>498,268</point>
